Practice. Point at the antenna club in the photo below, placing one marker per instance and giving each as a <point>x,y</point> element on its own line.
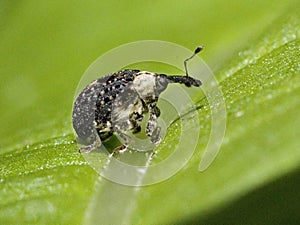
<point>198,49</point>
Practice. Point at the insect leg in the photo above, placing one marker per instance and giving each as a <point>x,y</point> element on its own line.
<point>153,130</point>
<point>135,122</point>
<point>136,117</point>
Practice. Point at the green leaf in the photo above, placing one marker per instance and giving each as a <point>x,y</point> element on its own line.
<point>255,50</point>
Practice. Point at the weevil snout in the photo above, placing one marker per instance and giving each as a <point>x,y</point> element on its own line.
<point>187,81</point>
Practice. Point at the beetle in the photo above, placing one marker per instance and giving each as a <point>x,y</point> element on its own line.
<point>116,104</point>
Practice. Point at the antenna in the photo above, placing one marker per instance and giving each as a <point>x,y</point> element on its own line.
<point>197,50</point>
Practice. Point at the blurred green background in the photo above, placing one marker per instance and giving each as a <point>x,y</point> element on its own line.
<point>45,47</point>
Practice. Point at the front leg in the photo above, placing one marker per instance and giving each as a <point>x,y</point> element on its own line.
<point>153,130</point>
<point>135,121</point>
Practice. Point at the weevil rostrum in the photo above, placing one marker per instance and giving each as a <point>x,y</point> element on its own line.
<point>116,104</point>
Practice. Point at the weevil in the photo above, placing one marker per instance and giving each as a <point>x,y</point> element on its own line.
<point>117,103</point>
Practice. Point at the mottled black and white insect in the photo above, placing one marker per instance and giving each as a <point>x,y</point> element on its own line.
<point>117,103</point>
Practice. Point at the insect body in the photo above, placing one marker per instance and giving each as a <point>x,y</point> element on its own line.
<point>117,103</point>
